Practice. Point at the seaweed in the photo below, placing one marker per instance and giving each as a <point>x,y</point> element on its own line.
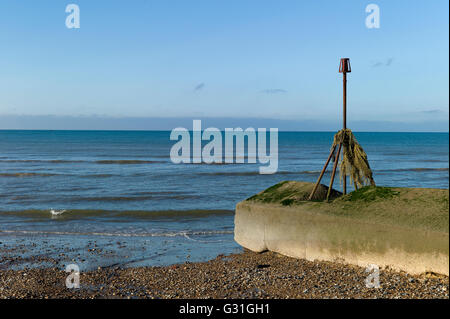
<point>370,193</point>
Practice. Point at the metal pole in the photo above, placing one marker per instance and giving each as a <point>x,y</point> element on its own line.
<point>345,126</point>
<point>345,100</point>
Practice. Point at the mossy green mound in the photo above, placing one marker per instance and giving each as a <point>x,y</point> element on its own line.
<point>291,193</point>
<point>371,193</point>
<point>421,208</point>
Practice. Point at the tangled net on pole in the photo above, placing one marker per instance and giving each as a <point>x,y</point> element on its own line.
<point>354,160</point>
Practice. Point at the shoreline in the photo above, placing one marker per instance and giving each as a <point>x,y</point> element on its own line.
<point>244,275</point>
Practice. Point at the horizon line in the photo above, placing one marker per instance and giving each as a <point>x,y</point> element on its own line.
<point>280,131</point>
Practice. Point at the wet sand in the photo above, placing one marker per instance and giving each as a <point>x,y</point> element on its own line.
<point>245,275</point>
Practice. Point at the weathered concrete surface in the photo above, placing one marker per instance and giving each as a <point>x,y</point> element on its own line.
<point>302,231</point>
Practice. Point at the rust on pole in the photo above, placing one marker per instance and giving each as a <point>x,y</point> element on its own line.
<point>345,101</point>
<point>344,68</point>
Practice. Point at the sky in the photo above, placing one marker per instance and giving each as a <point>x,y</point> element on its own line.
<point>272,60</point>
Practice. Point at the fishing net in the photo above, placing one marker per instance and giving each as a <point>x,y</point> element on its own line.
<point>354,160</point>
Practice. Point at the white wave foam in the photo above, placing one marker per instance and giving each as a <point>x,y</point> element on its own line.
<point>57,212</point>
<point>185,234</point>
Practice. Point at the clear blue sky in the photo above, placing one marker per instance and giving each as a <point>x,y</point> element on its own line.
<point>246,58</point>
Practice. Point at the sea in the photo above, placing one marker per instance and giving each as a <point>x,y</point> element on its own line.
<point>115,198</point>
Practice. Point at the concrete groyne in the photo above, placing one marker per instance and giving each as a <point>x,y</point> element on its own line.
<point>404,229</point>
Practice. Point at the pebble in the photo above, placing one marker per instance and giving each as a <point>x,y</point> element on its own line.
<point>245,275</point>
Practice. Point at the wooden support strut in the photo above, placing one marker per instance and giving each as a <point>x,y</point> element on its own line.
<point>334,171</point>
<point>321,173</point>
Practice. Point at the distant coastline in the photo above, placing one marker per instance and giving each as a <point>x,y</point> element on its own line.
<point>59,122</point>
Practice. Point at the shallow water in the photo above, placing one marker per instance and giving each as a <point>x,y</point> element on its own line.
<point>122,187</point>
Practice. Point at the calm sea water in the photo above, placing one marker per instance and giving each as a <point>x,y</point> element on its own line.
<point>121,186</point>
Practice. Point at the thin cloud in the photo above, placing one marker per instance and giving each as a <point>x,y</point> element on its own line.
<point>274,91</point>
<point>387,63</point>
<point>199,87</point>
<point>433,111</point>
